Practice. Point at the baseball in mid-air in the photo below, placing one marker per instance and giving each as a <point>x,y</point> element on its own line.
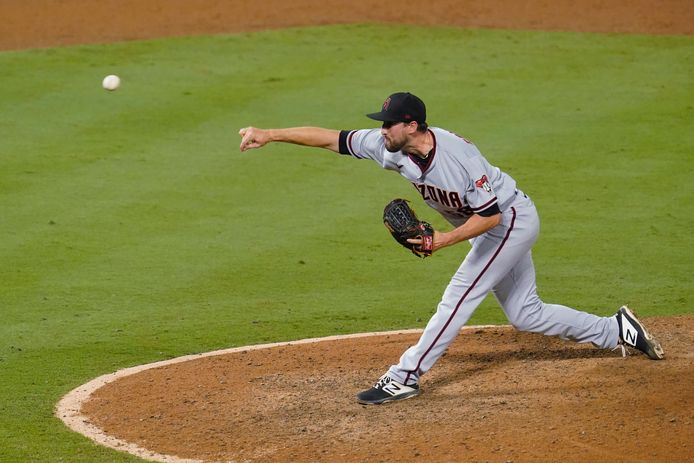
<point>111,82</point>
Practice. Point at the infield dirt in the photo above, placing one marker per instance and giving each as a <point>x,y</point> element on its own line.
<point>498,395</point>
<point>47,23</point>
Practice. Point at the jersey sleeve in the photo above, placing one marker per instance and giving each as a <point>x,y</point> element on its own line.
<point>480,194</point>
<point>362,144</point>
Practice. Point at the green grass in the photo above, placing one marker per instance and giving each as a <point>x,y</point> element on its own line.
<point>133,230</point>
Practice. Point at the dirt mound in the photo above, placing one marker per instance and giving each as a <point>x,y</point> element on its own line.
<point>497,395</point>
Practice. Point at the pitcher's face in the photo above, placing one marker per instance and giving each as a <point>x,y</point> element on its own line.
<point>395,135</point>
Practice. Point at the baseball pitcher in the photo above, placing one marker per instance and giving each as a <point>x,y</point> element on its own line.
<point>485,206</point>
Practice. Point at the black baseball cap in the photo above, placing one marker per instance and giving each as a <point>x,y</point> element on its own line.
<point>401,107</point>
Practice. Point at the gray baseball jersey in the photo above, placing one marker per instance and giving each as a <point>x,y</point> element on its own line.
<point>457,181</point>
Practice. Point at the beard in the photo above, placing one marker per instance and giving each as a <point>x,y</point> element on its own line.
<point>393,146</point>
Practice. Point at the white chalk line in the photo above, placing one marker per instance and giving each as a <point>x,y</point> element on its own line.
<point>69,408</point>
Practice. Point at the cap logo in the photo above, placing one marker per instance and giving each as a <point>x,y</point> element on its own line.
<point>386,104</point>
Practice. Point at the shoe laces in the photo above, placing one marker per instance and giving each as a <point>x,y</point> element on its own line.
<point>382,381</point>
<point>621,345</point>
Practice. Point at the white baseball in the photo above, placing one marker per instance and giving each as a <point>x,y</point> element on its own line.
<point>111,82</point>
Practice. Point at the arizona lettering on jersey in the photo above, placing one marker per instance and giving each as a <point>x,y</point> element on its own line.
<point>455,180</point>
<point>430,192</point>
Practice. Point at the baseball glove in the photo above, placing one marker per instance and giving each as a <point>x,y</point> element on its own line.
<point>403,224</point>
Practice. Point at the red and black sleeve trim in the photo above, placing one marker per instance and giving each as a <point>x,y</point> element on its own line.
<point>343,145</point>
<point>490,211</point>
<point>484,206</point>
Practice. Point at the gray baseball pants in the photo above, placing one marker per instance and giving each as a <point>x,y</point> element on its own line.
<point>500,261</point>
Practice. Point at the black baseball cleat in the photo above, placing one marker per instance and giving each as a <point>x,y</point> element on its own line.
<point>387,390</point>
<point>632,333</point>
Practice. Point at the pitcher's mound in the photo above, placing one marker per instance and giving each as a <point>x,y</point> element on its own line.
<point>498,395</point>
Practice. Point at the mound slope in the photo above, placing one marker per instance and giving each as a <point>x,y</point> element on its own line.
<point>497,395</point>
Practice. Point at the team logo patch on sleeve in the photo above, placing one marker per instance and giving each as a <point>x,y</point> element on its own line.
<point>484,184</point>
